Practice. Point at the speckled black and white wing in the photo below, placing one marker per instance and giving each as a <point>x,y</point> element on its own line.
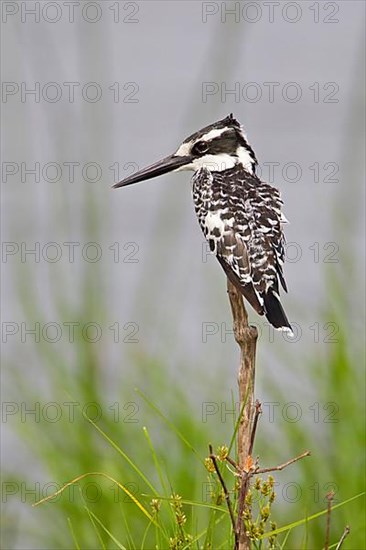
<point>241,219</point>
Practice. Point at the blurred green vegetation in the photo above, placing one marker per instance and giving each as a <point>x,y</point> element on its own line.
<point>151,443</point>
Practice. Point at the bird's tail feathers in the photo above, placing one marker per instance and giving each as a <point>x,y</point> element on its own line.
<point>275,312</point>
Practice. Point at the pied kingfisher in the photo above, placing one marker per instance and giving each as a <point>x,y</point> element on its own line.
<point>240,215</point>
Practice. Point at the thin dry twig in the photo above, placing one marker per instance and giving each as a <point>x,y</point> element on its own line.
<point>258,412</point>
<point>330,497</point>
<point>282,466</point>
<point>226,493</point>
<point>341,540</point>
<point>232,462</point>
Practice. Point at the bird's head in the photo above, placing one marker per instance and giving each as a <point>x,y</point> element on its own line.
<point>217,147</point>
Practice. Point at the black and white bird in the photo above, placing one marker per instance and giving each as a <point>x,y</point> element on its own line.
<point>240,215</point>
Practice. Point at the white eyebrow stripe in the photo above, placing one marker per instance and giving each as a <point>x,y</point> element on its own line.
<point>214,133</point>
<point>184,149</point>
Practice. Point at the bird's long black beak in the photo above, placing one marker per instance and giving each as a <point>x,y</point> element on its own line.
<point>168,164</point>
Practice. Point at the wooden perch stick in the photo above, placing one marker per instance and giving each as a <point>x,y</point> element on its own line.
<point>246,336</point>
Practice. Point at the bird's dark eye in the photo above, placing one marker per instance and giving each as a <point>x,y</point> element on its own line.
<point>200,147</point>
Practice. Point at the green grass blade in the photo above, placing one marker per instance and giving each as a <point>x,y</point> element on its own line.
<point>285,539</point>
<point>233,437</point>
<point>116,542</point>
<point>122,453</point>
<point>145,535</point>
<point>73,534</point>
<point>158,469</point>
<point>309,518</point>
<point>106,476</point>
<point>203,533</point>
<point>169,423</point>
<point>155,459</point>
<point>192,503</point>
<point>92,521</point>
<point>128,531</point>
